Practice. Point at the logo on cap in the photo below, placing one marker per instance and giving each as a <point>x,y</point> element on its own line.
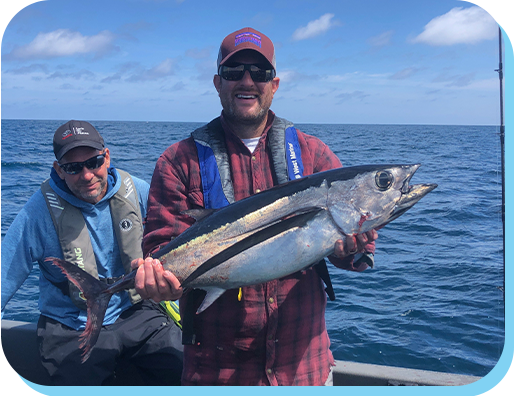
<point>79,131</point>
<point>247,37</point>
<point>67,134</point>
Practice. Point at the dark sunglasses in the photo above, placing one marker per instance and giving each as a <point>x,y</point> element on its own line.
<point>73,168</point>
<point>236,73</point>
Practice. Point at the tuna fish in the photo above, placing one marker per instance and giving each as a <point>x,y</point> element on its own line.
<point>269,235</point>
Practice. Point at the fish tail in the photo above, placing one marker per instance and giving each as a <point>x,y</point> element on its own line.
<point>97,295</point>
<point>96,311</point>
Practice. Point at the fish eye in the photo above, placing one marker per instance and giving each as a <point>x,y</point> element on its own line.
<point>384,180</point>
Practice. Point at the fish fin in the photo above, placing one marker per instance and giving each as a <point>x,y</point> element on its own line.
<point>97,296</point>
<point>96,311</point>
<point>211,296</point>
<point>295,220</point>
<point>198,214</point>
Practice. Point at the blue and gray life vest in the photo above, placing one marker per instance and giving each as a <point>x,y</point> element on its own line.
<point>75,241</point>
<point>214,161</point>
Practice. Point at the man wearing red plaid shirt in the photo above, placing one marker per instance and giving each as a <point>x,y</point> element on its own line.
<point>267,334</point>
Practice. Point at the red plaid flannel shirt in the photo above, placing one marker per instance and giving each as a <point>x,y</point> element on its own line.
<point>276,334</point>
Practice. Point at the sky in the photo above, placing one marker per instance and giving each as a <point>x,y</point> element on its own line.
<point>348,61</point>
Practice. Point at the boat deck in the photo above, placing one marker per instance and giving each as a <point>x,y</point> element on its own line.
<point>21,350</point>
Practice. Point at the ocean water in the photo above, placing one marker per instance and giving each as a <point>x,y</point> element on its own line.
<point>434,299</point>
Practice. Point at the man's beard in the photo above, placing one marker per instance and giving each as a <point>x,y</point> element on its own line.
<point>91,197</point>
<point>234,116</point>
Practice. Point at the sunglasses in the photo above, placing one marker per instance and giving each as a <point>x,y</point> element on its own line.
<point>236,73</point>
<point>73,168</point>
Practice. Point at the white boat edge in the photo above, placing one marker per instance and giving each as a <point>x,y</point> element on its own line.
<point>21,351</point>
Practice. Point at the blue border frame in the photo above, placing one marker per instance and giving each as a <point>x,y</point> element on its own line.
<point>483,385</point>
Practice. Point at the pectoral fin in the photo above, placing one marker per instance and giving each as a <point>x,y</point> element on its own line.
<point>212,294</point>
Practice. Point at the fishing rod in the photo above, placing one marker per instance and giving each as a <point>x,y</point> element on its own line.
<point>501,134</point>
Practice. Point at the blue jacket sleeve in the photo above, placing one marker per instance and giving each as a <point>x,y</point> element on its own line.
<point>27,241</point>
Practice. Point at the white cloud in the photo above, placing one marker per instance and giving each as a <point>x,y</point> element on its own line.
<point>75,75</point>
<point>345,96</point>
<point>293,76</point>
<point>404,73</point>
<point>164,69</point>
<point>287,76</point>
<point>64,42</point>
<point>460,80</point>
<point>335,78</point>
<point>459,26</point>
<point>381,40</point>
<point>314,28</point>
<point>34,68</point>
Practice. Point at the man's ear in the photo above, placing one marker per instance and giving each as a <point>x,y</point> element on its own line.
<point>275,84</point>
<point>108,158</point>
<point>217,82</point>
<point>58,169</point>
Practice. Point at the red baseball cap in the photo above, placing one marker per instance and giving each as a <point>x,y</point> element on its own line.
<point>245,39</point>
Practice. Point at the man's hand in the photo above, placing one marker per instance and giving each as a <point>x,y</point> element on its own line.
<point>353,244</point>
<point>154,282</point>
<point>344,249</point>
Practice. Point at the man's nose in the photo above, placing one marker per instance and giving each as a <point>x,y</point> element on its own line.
<point>247,79</point>
<point>86,173</point>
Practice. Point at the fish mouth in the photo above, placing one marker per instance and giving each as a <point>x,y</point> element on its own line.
<point>411,194</point>
<point>414,194</point>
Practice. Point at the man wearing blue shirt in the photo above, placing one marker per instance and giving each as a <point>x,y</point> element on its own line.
<point>92,215</point>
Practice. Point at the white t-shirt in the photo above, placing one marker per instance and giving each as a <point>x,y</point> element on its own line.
<point>251,143</point>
